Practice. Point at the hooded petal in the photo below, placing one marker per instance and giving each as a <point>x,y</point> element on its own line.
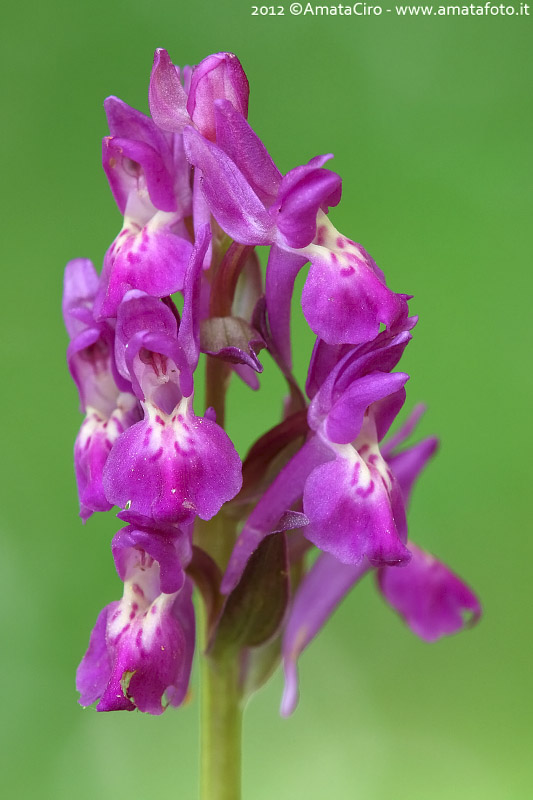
<point>132,166</point>
<point>345,417</point>
<point>302,193</point>
<point>168,546</point>
<point>218,77</point>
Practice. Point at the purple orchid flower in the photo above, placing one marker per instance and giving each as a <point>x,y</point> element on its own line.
<point>351,498</point>
<point>150,180</point>
<point>198,192</point>
<point>105,396</point>
<point>430,598</point>
<point>168,465</point>
<point>345,296</point>
<point>141,647</point>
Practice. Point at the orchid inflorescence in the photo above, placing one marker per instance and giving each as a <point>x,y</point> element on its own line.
<point>199,192</point>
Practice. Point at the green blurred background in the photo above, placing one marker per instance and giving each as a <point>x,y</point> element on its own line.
<point>430,123</point>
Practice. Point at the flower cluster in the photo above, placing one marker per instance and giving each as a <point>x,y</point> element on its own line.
<point>198,192</point>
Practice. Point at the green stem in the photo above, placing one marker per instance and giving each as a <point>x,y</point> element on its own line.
<point>220,697</point>
<point>216,383</point>
<point>221,724</point>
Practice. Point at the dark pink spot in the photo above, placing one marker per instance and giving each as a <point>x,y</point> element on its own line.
<point>122,632</point>
<point>334,258</point>
<point>355,476</point>
<point>137,589</point>
<point>364,449</point>
<point>321,234</point>
<point>372,459</point>
<point>177,448</point>
<point>340,242</point>
<point>153,610</point>
<point>157,455</point>
<point>367,491</point>
<point>159,420</point>
<point>345,271</point>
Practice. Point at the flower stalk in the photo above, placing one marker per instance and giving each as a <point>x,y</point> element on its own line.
<point>221,729</point>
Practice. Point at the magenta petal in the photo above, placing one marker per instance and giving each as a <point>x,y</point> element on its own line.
<point>95,667</point>
<point>233,203</point>
<point>151,259</point>
<point>405,431</point>
<point>189,330</point>
<point>91,450</point>
<point>166,95</point>
<point>343,299</point>
<point>353,513</point>
<point>319,594</point>
<point>147,653</point>
<point>168,467</point>
<point>247,375</point>
<point>240,142</point>
<point>183,612</point>
<point>89,359</point>
<point>432,600</point>
<point>282,269</point>
<point>79,290</point>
